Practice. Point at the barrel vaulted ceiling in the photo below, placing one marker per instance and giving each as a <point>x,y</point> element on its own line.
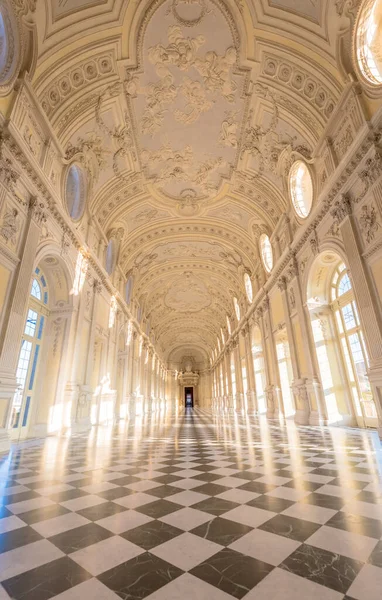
<point>188,114</point>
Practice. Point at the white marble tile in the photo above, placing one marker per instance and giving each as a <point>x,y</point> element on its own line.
<point>92,589</point>
<point>310,512</point>
<point>124,521</point>
<point>364,509</point>
<point>248,515</point>
<point>342,542</point>
<point>135,500</point>
<point>188,587</point>
<point>186,518</point>
<point>288,493</point>
<point>239,496</point>
<point>105,555</point>
<point>268,547</point>
<point>188,497</point>
<point>367,585</point>
<point>186,551</point>
<point>54,489</point>
<point>10,524</point>
<point>188,484</point>
<point>142,486</point>
<point>26,505</point>
<point>97,488</point>
<point>273,479</point>
<point>282,585</point>
<point>50,527</point>
<point>77,504</point>
<point>27,557</point>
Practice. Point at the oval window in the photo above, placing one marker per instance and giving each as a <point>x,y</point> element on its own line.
<point>266,252</point>
<point>9,45</point>
<point>75,192</point>
<point>248,287</point>
<point>368,40</point>
<point>301,188</point>
<point>237,308</point>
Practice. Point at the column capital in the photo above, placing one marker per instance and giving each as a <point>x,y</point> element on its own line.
<point>37,210</point>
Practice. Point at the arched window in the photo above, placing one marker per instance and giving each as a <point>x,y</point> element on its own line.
<point>301,188</point>
<point>341,351</point>
<point>29,355</point>
<point>110,255</point>
<point>75,191</point>
<point>266,252</point>
<point>237,308</point>
<point>228,325</point>
<point>368,41</point>
<point>248,287</point>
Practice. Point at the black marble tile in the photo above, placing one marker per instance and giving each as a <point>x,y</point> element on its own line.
<point>168,470</point>
<point>20,497</point>
<point>125,480</point>
<point>350,483</point>
<point>211,489</point>
<point>246,475</point>
<point>115,493</point>
<point>4,512</point>
<point>208,477</point>
<point>324,500</point>
<point>167,479</point>
<point>151,534</point>
<point>222,531</point>
<point>16,538</point>
<point>100,511</point>
<point>46,581</point>
<point>159,508</point>
<point>68,495</point>
<point>165,491</point>
<point>232,572</point>
<point>356,524</point>
<point>295,529</point>
<point>257,486</point>
<point>371,497</point>
<point>80,537</point>
<point>326,568</point>
<point>138,578</point>
<point>270,503</point>
<point>215,506</point>
<point>376,556</point>
<point>79,483</point>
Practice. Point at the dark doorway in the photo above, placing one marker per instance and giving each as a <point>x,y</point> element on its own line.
<point>189,397</point>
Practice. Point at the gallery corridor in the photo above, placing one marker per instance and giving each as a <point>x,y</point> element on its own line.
<point>193,505</point>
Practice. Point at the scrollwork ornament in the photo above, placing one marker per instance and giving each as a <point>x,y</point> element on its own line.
<point>342,208</point>
<point>188,22</point>
<point>37,211</point>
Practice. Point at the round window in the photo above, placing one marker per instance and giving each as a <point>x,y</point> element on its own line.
<point>368,41</point>
<point>266,252</point>
<point>75,191</point>
<point>237,308</point>
<point>248,287</point>
<point>301,188</point>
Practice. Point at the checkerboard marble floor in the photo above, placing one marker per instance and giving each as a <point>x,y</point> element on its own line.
<point>193,506</point>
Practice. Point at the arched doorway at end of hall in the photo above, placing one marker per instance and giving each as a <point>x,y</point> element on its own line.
<point>189,397</point>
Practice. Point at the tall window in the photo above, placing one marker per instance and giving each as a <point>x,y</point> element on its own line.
<point>301,188</point>
<point>237,308</point>
<point>286,376</point>
<point>258,362</point>
<point>233,374</point>
<point>369,42</point>
<point>228,325</point>
<point>266,252</point>
<point>29,353</point>
<point>352,341</point>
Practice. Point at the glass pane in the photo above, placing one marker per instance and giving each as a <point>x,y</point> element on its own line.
<point>344,284</point>
<point>348,316</point>
<point>30,325</point>
<point>339,322</point>
<point>347,360</point>
<point>36,290</point>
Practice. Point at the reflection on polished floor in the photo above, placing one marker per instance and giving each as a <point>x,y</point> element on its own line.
<point>193,506</point>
